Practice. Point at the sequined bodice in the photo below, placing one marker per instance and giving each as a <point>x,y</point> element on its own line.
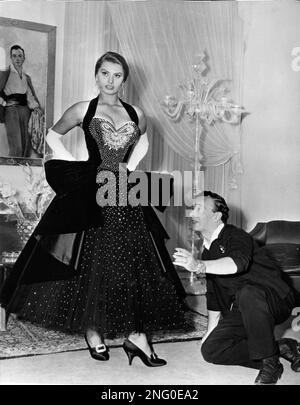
<point>113,143</point>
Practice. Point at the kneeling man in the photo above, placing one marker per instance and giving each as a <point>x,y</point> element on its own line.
<point>246,296</point>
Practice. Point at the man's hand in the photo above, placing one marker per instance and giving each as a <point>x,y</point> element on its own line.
<point>2,102</point>
<point>185,259</point>
<point>38,110</point>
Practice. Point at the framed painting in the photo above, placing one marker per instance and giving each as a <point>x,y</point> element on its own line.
<point>27,66</point>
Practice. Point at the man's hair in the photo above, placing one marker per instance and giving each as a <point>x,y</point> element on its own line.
<point>220,204</point>
<point>16,47</point>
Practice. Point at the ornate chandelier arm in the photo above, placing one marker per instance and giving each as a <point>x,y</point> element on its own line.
<point>173,111</point>
<point>212,88</point>
<point>232,113</point>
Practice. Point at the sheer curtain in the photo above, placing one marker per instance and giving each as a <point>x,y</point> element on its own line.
<point>160,43</point>
<point>88,34</point>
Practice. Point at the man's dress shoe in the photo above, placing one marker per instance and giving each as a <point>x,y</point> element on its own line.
<point>270,371</point>
<point>290,350</point>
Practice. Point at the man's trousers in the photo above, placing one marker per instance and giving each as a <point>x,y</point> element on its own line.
<point>245,335</point>
<point>16,123</point>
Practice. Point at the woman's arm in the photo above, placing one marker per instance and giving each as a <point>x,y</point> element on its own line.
<point>138,152</point>
<point>72,117</point>
<point>142,145</point>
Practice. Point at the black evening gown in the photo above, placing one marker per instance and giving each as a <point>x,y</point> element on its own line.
<point>118,277</point>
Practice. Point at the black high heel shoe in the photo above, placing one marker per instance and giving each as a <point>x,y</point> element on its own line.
<point>100,352</point>
<point>132,351</point>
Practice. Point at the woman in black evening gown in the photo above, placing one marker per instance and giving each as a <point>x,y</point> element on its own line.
<point>101,270</point>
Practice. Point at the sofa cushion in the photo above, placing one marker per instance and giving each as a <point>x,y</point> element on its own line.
<point>279,231</point>
<point>287,255</point>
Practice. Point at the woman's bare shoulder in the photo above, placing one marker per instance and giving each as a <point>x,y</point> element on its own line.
<point>72,117</point>
<point>142,118</point>
<point>77,111</point>
<point>81,107</point>
<point>139,111</point>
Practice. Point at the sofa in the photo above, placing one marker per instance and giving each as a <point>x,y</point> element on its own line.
<point>282,241</point>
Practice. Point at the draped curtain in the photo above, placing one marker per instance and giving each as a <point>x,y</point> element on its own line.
<point>88,34</point>
<point>160,42</point>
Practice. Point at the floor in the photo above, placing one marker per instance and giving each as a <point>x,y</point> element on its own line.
<point>185,367</point>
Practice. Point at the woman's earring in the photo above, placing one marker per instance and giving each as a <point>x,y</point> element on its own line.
<point>122,93</point>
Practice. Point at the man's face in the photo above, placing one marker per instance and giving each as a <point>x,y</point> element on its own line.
<point>17,57</point>
<point>203,214</point>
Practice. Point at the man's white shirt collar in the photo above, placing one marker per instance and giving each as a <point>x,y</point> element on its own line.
<point>214,236</point>
<point>13,69</point>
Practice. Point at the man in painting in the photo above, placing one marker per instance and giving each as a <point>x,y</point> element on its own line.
<point>17,101</point>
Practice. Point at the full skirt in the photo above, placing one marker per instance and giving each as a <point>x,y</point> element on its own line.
<point>121,285</point>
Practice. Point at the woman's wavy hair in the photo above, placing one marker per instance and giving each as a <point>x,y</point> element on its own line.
<point>113,57</point>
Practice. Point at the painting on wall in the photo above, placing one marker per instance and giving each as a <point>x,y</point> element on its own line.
<point>27,65</point>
